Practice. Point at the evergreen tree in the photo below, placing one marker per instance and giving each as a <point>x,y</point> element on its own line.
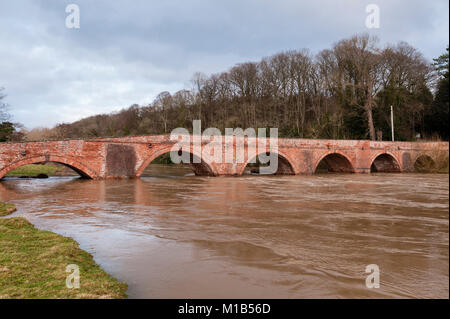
<point>436,117</point>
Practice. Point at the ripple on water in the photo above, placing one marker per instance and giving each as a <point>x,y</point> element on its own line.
<point>176,235</point>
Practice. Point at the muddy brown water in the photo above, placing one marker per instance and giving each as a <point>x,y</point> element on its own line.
<point>175,235</point>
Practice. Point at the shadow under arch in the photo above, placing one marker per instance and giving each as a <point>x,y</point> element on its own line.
<point>284,164</point>
<point>81,169</point>
<point>200,169</point>
<point>385,163</point>
<point>425,163</point>
<point>334,163</point>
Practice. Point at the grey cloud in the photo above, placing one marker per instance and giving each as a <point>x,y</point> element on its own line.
<point>128,51</point>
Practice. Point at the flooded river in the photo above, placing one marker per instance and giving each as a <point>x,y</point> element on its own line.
<point>175,235</point>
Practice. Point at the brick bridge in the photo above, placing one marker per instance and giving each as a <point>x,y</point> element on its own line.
<point>128,156</point>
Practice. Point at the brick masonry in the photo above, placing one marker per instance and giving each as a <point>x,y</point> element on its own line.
<point>129,156</point>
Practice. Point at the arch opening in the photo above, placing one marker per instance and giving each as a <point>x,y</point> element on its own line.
<point>425,164</point>
<point>163,166</point>
<point>334,163</point>
<point>385,163</point>
<point>44,169</point>
<point>256,167</point>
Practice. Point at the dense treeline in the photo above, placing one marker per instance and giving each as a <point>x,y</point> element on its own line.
<point>341,93</point>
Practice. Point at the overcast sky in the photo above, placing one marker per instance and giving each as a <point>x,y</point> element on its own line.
<point>127,52</point>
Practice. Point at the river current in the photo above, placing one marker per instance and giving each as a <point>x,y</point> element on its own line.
<point>171,234</point>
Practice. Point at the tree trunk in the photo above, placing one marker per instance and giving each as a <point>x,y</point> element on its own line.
<point>368,108</point>
<point>370,122</point>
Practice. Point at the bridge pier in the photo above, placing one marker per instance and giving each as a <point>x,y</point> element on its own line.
<point>360,170</point>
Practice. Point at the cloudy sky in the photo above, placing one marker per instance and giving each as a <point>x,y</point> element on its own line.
<point>126,52</point>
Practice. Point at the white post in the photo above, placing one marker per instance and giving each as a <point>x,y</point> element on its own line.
<point>392,123</point>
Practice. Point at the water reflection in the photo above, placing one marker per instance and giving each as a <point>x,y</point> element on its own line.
<point>175,235</point>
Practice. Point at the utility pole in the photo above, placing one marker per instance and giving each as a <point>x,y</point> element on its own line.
<point>392,123</point>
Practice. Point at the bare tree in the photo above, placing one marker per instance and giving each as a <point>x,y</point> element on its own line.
<point>358,64</point>
<point>339,93</point>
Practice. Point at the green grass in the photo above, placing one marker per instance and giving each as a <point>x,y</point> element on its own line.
<point>33,265</point>
<point>35,170</point>
<point>6,209</point>
<point>443,170</point>
<point>163,159</point>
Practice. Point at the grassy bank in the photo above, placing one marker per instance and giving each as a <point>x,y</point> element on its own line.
<point>35,170</point>
<point>33,265</point>
<point>6,209</point>
<point>443,170</point>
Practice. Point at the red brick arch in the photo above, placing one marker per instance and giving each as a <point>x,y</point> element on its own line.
<point>207,167</point>
<point>424,154</point>
<point>80,168</point>
<point>372,160</point>
<point>350,168</point>
<point>288,163</point>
